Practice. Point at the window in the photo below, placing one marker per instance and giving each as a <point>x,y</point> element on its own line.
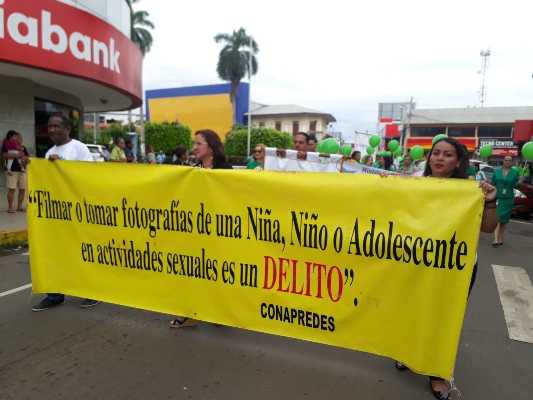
<point>312,126</point>
<point>295,127</point>
<point>278,126</point>
<point>261,124</point>
<point>494,131</point>
<point>427,131</point>
<point>461,131</point>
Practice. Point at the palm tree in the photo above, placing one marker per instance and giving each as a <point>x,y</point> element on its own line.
<point>233,60</point>
<point>144,40</point>
<point>139,34</point>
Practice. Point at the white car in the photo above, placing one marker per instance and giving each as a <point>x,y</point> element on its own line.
<point>97,151</point>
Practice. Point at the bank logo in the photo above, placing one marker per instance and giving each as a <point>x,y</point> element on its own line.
<point>52,37</point>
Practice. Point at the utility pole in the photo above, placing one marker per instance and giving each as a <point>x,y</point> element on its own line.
<point>250,55</point>
<point>407,130</point>
<point>96,130</point>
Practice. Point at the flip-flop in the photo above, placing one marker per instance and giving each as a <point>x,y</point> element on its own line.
<point>11,211</point>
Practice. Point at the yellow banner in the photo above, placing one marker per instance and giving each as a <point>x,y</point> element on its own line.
<point>375,264</point>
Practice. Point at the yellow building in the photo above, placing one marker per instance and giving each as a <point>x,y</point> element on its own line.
<point>200,107</point>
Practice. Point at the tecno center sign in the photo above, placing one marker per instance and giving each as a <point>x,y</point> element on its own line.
<point>500,147</point>
<point>53,36</point>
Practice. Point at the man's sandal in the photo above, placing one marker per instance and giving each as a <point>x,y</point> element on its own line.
<point>182,322</point>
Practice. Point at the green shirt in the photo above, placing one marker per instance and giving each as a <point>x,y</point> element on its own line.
<point>117,154</point>
<point>506,184</point>
<point>254,165</point>
<point>471,170</point>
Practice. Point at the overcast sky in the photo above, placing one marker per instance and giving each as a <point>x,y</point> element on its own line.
<point>344,58</point>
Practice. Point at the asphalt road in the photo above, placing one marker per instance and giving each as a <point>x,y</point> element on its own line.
<point>113,352</point>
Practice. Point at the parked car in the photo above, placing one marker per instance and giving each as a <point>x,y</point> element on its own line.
<point>97,152</point>
<point>523,200</point>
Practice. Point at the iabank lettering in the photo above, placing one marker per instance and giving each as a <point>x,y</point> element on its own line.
<point>294,316</point>
<point>439,253</point>
<point>191,266</point>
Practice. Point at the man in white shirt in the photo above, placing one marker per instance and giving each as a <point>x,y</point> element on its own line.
<point>65,148</point>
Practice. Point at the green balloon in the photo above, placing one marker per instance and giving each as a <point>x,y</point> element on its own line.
<point>485,151</point>
<point>398,152</point>
<point>370,150</point>
<point>346,150</point>
<point>400,159</point>
<point>374,141</point>
<point>527,151</point>
<point>319,146</point>
<point>393,145</point>
<point>416,152</point>
<point>388,153</point>
<point>331,146</point>
<point>437,138</point>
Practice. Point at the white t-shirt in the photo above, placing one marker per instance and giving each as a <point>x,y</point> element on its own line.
<point>73,151</point>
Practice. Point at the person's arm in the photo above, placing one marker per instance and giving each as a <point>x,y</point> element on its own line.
<point>13,155</point>
<point>489,219</point>
<point>518,181</point>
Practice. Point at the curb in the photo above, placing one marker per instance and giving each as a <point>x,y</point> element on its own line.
<point>10,237</point>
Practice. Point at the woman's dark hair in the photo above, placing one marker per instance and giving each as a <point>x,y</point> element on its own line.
<point>460,172</point>
<point>387,162</point>
<point>180,150</point>
<point>476,166</point>
<point>214,143</point>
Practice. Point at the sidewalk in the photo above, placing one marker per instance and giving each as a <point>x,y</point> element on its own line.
<point>13,227</point>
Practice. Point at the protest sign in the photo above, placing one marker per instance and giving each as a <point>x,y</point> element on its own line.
<point>359,261</point>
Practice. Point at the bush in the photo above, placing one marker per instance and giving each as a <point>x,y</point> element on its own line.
<point>236,142</point>
<point>167,136</point>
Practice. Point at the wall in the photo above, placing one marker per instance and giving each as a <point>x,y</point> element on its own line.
<point>200,107</point>
<point>114,12</point>
<point>472,115</point>
<point>199,112</point>
<point>16,113</point>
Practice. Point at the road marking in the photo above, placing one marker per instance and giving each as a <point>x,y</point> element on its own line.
<point>516,296</point>
<point>522,222</point>
<point>15,290</point>
<point>26,254</point>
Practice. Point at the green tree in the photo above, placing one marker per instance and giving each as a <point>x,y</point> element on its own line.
<point>139,34</point>
<point>236,142</point>
<point>233,61</point>
<point>167,136</point>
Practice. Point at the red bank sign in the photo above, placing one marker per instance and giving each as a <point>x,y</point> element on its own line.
<point>56,37</point>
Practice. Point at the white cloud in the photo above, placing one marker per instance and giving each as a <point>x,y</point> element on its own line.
<point>345,58</point>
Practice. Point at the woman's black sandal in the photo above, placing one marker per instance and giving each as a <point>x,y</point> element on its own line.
<point>182,322</point>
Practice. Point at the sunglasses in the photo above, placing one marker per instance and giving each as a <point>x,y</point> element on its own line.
<point>258,151</point>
